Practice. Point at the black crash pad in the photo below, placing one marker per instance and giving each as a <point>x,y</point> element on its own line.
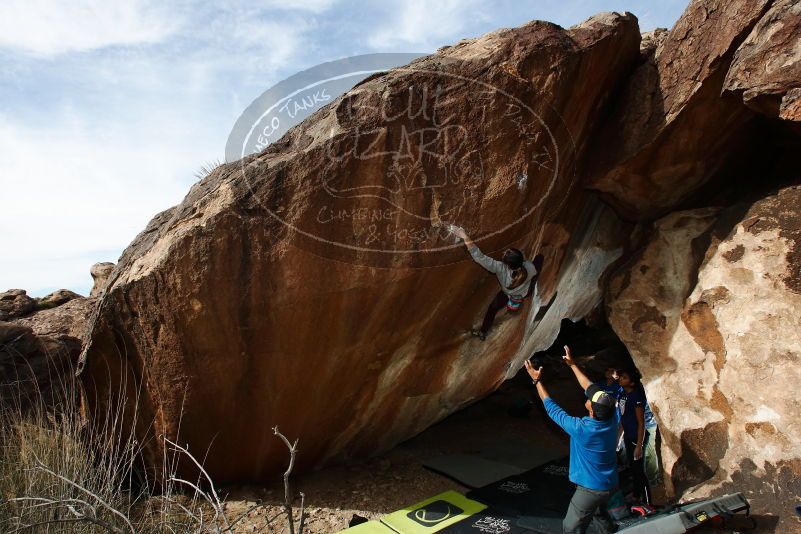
<point>487,521</point>
<point>543,491</point>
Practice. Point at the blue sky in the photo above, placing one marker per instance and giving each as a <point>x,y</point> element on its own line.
<point>108,108</point>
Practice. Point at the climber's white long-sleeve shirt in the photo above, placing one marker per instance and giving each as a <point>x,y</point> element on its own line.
<point>504,273</point>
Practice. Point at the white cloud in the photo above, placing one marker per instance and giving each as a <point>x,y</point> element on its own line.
<point>266,43</point>
<point>424,24</point>
<point>112,139</point>
<point>313,6</point>
<point>75,193</point>
<point>53,27</point>
<point>254,40</point>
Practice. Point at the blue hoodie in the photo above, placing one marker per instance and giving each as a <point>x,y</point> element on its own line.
<point>593,462</point>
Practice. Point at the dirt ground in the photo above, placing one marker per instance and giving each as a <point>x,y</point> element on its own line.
<point>376,486</point>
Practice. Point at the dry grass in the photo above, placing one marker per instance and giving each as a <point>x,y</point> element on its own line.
<point>207,168</point>
<point>60,474</point>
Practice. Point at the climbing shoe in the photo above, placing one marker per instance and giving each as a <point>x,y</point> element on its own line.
<point>479,334</point>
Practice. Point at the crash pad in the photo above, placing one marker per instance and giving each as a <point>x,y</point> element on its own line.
<point>433,514</point>
<point>520,453</point>
<point>471,470</point>
<point>544,491</point>
<point>547,524</point>
<point>487,521</point>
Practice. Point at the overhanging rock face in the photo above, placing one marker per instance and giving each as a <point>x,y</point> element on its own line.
<point>671,129</point>
<point>766,69</point>
<point>315,286</point>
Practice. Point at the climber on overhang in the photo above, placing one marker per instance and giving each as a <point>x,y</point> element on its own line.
<point>517,276</point>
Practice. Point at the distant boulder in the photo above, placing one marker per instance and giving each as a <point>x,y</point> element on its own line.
<point>15,303</point>
<point>67,319</point>
<point>100,273</point>
<point>56,298</point>
<point>30,365</point>
<point>38,352</point>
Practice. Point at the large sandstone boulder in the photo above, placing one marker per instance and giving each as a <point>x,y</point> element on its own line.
<point>766,69</point>
<point>709,309</point>
<point>316,286</point>
<point>671,129</point>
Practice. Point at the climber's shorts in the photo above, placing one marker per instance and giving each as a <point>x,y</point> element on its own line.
<point>514,303</point>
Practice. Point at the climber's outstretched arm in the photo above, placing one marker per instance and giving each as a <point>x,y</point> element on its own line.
<point>580,376</point>
<point>492,265</point>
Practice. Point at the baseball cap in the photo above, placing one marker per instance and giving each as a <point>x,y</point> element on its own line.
<point>603,405</point>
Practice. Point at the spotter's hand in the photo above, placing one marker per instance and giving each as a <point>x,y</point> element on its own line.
<point>568,357</point>
<point>535,374</point>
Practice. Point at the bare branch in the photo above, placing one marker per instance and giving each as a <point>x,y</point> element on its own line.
<point>203,494</point>
<point>93,520</point>
<point>268,522</point>
<point>44,501</point>
<point>219,506</point>
<point>293,450</point>
<point>302,512</point>
<point>40,466</point>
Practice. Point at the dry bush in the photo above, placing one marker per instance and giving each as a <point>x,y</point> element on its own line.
<point>60,474</point>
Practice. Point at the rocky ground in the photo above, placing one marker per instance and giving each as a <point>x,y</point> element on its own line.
<point>396,479</point>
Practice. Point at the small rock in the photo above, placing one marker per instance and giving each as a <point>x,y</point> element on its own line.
<point>57,298</point>
<point>15,303</point>
<point>100,273</point>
